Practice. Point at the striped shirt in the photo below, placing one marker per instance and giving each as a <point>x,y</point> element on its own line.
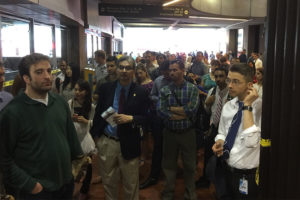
<point>188,95</point>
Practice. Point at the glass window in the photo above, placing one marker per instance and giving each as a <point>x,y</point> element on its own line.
<point>43,40</point>
<point>14,38</point>
<point>14,41</point>
<point>240,40</point>
<point>99,43</point>
<point>94,43</point>
<point>58,42</point>
<point>89,48</point>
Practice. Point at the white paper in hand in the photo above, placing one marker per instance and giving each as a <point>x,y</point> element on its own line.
<point>108,115</point>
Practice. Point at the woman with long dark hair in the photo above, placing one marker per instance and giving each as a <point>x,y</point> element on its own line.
<point>82,111</point>
<point>66,89</point>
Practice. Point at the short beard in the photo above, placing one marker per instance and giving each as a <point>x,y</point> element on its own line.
<point>40,91</point>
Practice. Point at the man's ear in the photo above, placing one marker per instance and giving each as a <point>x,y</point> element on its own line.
<point>27,79</point>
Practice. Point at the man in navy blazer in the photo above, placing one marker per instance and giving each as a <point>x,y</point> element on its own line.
<point>119,146</point>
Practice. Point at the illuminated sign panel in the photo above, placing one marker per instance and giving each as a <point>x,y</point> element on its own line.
<point>142,11</point>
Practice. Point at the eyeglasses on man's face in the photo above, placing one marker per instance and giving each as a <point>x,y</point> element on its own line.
<point>126,67</point>
<point>233,81</point>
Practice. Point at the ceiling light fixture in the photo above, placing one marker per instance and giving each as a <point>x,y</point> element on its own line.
<point>171,2</point>
<point>218,18</point>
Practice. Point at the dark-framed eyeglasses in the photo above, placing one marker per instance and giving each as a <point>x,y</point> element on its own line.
<point>126,67</point>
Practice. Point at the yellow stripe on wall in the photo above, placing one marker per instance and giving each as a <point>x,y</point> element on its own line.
<point>8,83</point>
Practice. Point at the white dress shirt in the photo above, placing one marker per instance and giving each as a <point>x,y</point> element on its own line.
<point>258,63</point>
<point>246,148</point>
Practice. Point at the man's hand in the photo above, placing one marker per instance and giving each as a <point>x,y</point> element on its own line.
<point>122,118</point>
<point>250,97</point>
<point>210,100</point>
<point>176,117</point>
<point>218,147</point>
<point>178,110</point>
<point>37,188</point>
<point>203,93</point>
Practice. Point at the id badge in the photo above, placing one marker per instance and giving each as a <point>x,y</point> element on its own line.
<point>243,186</point>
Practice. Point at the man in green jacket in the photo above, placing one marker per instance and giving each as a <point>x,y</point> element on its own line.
<point>38,140</point>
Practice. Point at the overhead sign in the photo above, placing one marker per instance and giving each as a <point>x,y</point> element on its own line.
<point>142,11</point>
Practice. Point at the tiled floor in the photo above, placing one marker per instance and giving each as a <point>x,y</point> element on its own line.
<point>153,193</point>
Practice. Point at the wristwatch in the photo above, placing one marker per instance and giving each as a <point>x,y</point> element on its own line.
<point>247,108</point>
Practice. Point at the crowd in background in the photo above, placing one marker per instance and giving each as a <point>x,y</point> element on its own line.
<point>178,99</point>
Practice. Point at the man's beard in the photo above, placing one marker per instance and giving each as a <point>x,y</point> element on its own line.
<point>40,90</point>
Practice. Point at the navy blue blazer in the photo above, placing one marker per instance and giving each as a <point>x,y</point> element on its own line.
<point>136,104</point>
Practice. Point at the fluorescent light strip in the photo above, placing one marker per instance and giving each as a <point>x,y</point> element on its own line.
<point>218,18</point>
<point>171,2</point>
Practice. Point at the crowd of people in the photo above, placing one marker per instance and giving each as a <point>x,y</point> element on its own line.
<point>56,124</point>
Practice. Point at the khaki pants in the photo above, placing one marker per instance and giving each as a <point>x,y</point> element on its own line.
<point>185,143</point>
<point>113,167</point>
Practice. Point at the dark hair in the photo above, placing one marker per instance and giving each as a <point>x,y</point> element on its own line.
<point>18,84</point>
<point>100,53</point>
<point>143,61</point>
<point>199,52</point>
<point>224,65</point>
<point>141,66</point>
<point>244,70</point>
<point>87,103</point>
<point>179,63</point>
<point>153,53</point>
<point>224,69</point>
<point>164,66</point>
<point>251,61</point>
<point>128,59</point>
<point>29,60</point>
<point>223,59</point>
<point>112,59</point>
<point>253,68</point>
<point>215,63</point>
<point>161,55</point>
<point>75,75</point>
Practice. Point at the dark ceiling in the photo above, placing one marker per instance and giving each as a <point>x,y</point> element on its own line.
<point>198,19</point>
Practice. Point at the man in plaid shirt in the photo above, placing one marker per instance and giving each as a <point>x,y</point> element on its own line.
<point>178,105</point>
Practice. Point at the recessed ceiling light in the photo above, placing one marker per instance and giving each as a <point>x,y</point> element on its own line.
<point>170,2</point>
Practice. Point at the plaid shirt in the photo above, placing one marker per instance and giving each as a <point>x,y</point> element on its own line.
<point>188,95</point>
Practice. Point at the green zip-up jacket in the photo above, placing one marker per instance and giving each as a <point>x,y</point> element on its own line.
<point>37,143</point>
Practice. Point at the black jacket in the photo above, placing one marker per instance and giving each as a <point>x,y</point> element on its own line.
<point>136,104</point>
